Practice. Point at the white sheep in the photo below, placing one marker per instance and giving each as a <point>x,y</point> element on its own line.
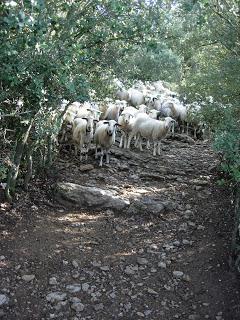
<point>82,134</point>
<point>88,109</point>
<point>125,121</point>
<point>122,94</point>
<point>104,138</point>
<point>138,119</point>
<point>113,111</point>
<point>194,119</point>
<point>172,107</point>
<point>154,130</point>
<point>136,97</point>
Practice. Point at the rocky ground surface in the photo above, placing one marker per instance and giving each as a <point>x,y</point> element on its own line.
<point>142,238</point>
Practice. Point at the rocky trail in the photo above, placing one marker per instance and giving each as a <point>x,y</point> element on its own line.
<point>142,238</point>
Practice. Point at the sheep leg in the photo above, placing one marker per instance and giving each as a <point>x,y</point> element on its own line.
<point>195,134</point>
<point>125,141</point>
<point>148,144</point>
<point>81,151</point>
<point>154,148</point>
<point>140,144</point>
<point>63,136</point>
<point>187,128</point>
<point>129,140</point>
<point>183,127</point>
<point>159,148</point>
<point>86,154</point>
<point>107,156</point>
<point>121,141</point>
<point>101,158</point>
<point>137,140</point>
<point>75,150</point>
<point>173,130</point>
<point>96,154</point>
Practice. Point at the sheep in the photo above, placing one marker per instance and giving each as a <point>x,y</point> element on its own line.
<point>126,121</point>
<point>113,111</point>
<point>80,110</point>
<point>173,108</point>
<point>154,114</point>
<point>133,111</point>
<point>135,97</point>
<point>154,130</point>
<point>104,137</point>
<point>139,118</point>
<point>122,94</point>
<point>88,109</point>
<point>82,134</point>
<point>195,120</point>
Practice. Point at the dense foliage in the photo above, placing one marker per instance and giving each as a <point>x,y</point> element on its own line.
<point>51,50</point>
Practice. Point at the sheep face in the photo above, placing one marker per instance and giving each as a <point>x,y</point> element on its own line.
<point>169,122</point>
<point>111,127</point>
<point>127,118</point>
<point>89,125</point>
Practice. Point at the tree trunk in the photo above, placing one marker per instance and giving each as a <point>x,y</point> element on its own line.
<point>14,169</point>
<point>28,175</point>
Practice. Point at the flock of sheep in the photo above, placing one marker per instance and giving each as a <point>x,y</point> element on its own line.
<point>145,111</point>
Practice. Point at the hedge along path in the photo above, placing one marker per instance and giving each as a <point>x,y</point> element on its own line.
<point>138,262</point>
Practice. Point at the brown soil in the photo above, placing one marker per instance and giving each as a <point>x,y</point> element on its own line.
<point>42,238</point>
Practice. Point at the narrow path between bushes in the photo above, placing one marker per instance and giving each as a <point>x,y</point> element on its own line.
<point>62,263</point>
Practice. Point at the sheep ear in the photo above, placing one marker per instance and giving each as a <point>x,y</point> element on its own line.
<point>117,124</point>
<point>95,120</point>
<point>106,122</point>
<point>85,119</point>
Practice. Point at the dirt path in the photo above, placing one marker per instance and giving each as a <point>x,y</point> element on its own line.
<point>57,263</point>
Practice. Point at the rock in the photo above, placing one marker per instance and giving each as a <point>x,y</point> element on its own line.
<point>98,307</point>
<point>112,295</point>
<point>53,281</point>
<point>105,268</point>
<point>71,194</point>
<point>198,182</point>
<point>152,176</point>
<point>77,306</point>
<point>96,263</point>
<point>75,264</point>
<point>73,288</point>
<point>56,297</point>
<point>185,241</point>
<point>151,291</point>
<point>118,228</point>
<point>142,261</point>
<point>2,313</point>
<point>162,265</point>
<point>130,269</point>
<point>86,167</point>
<point>147,205</point>
<point>194,317</point>
<point>186,278</point>
<point>183,227</point>
<point>28,277</point>
<point>60,304</point>
<point>178,274</point>
<point>3,300</point>
<point>75,274</point>
<point>85,287</point>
